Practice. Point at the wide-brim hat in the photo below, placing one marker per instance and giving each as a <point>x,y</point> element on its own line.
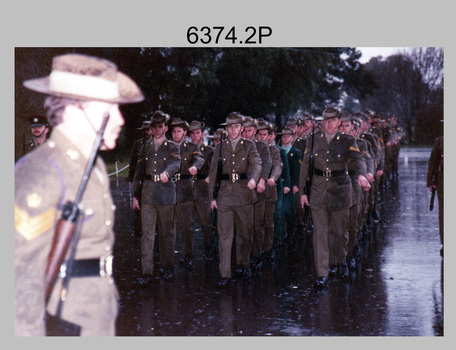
<point>263,125</point>
<point>233,118</point>
<point>37,120</point>
<point>286,131</point>
<point>179,122</point>
<point>331,112</point>
<point>145,125</point>
<point>87,78</point>
<point>160,117</point>
<point>249,121</point>
<point>218,134</point>
<point>195,125</point>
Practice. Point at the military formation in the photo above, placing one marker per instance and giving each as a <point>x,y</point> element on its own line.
<point>249,187</point>
<point>253,189</point>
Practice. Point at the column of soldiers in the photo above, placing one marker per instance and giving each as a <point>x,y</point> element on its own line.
<point>251,195</point>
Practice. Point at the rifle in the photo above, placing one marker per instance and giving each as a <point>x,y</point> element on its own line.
<point>431,204</point>
<point>219,170</point>
<point>67,224</point>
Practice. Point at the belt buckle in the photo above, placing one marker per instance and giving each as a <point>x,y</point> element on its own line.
<point>328,173</point>
<point>234,177</point>
<point>156,178</point>
<point>177,177</point>
<point>106,266</point>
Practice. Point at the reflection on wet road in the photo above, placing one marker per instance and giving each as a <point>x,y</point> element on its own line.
<point>397,290</point>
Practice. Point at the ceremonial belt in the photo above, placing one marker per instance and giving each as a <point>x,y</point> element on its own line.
<point>234,177</point>
<point>178,177</point>
<point>200,177</point>
<point>101,267</point>
<point>154,178</point>
<point>329,173</point>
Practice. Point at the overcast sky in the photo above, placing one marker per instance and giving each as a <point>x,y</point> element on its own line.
<point>369,52</point>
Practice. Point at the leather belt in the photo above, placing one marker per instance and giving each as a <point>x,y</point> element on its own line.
<point>331,173</point>
<point>234,177</point>
<point>88,267</point>
<point>154,178</point>
<point>178,177</point>
<point>200,177</point>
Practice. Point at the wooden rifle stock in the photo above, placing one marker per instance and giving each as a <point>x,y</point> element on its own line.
<point>67,224</point>
<point>62,238</point>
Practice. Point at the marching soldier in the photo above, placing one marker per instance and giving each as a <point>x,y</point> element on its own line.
<point>331,193</point>
<point>137,156</point>
<point>241,170</point>
<point>294,163</point>
<point>283,187</point>
<point>39,128</point>
<point>264,130</point>
<point>349,126</point>
<point>201,199</point>
<point>50,176</point>
<point>158,198</point>
<point>191,162</point>
<point>250,130</point>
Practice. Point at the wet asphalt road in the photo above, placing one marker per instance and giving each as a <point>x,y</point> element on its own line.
<point>397,289</point>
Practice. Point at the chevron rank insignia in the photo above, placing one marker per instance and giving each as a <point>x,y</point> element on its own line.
<point>32,227</point>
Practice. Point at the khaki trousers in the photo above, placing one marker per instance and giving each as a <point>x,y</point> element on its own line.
<point>229,219</point>
<point>163,216</point>
<point>330,238</point>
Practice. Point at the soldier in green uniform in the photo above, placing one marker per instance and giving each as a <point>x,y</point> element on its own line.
<point>283,187</point>
<point>158,198</point>
<point>82,90</point>
<point>331,193</point>
<point>201,199</point>
<point>191,162</point>
<point>39,129</point>
<point>435,179</point>
<point>241,170</point>
<point>294,165</point>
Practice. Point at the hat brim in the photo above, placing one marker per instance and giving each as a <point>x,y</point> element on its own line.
<point>129,92</point>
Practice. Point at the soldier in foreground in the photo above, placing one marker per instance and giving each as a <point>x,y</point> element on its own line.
<point>240,172</point>
<point>331,193</point>
<point>82,91</point>
<point>158,198</point>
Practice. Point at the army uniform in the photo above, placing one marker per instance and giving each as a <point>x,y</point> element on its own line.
<point>331,196</point>
<point>235,200</point>
<point>190,154</point>
<point>91,301</point>
<point>137,156</point>
<point>289,200</point>
<point>201,200</point>
<point>271,199</point>
<point>30,145</point>
<point>157,204</point>
<point>435,177</point>
<point>46,180</point>
<point>284,181</point>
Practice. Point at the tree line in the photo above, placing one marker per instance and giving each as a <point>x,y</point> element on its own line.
<point>273,83</point>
